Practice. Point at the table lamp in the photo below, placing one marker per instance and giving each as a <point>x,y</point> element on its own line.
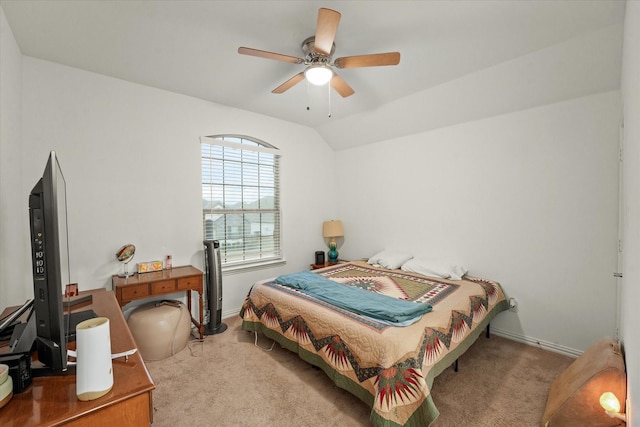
<point>332,229</point>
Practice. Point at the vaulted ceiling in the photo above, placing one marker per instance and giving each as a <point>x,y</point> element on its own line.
<point>460,60</point>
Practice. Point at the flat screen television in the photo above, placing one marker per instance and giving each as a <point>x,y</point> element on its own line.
<point>50,262</point>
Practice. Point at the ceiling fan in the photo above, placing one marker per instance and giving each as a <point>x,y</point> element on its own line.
<point>318,51</point>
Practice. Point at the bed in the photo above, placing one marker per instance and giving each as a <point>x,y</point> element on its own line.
<point>389,367</point>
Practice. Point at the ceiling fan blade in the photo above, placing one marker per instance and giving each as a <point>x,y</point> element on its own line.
<point>326,29</point>
<point>270,55</point>
<point>341,86</point>
<point>373,60</point>
<point>289,83</point>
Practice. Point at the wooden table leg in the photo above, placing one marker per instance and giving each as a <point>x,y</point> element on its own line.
<point>199,325</point>
<point>201,316</point>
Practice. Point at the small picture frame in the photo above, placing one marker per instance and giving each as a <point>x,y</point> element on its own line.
<point>71,290</point>
<point>148,267</point>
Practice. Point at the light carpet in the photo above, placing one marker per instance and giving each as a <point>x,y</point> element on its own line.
<point>227,381</point>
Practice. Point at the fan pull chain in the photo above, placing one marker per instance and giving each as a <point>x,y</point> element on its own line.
<point>308,97</point>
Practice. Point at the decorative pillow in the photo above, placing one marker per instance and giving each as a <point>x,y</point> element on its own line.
<point>434,268</point>
<point>389,259</point>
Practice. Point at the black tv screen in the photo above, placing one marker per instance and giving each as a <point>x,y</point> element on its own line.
<point>50,261</point>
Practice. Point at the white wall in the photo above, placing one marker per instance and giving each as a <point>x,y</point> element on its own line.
<point>130,155</point>
<point>529,199</point>
<point>14,255</point>
<point>631,207</point>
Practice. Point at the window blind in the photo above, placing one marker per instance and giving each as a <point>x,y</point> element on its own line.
<point>240,196</point>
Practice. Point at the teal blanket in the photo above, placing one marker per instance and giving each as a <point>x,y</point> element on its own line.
<point>357,300</point>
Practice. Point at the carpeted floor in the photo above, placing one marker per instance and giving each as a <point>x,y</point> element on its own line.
<point>227,381</point>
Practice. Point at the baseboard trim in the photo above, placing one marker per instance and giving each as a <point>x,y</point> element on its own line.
<point>535,342</point>
<point>230,313</point>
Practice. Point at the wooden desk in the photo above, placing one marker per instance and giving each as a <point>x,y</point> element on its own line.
<point>145,285</point>
<point>52,401</point>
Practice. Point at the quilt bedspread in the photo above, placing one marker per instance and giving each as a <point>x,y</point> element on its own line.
<point>389,367</point>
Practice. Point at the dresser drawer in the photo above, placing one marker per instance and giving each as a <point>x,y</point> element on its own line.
<point>130,293</point>
<point>190,283</point>
<point>164,287</point>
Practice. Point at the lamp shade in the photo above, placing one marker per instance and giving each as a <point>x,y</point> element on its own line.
<point>332,229</point>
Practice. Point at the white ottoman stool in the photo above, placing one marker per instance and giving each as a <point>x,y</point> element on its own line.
<point>161,328</point>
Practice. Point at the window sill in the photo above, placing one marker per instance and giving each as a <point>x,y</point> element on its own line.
<point>245,267</point>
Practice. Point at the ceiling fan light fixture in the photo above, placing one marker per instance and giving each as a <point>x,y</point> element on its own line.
<point>318,58</point>
<point>318,74</point>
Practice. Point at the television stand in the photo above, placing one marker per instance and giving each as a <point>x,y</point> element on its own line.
<point>39,371</point>
<point>24,334</point>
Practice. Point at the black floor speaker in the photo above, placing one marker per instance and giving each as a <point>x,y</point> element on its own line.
<point>213,277</point>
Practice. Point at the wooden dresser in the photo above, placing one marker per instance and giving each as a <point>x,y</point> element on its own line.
<point>52,401</point>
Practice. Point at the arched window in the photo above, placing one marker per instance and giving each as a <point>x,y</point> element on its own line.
<point>241,198</point>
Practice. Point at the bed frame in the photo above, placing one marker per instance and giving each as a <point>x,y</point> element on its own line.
<point>391,368</point>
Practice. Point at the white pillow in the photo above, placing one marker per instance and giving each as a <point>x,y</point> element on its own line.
<point>457,271</point>
<point>434,268</point>
<point>389,259</point>
<point>427,267</point>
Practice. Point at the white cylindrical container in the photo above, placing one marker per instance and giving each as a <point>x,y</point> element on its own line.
<point>94,371</point>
